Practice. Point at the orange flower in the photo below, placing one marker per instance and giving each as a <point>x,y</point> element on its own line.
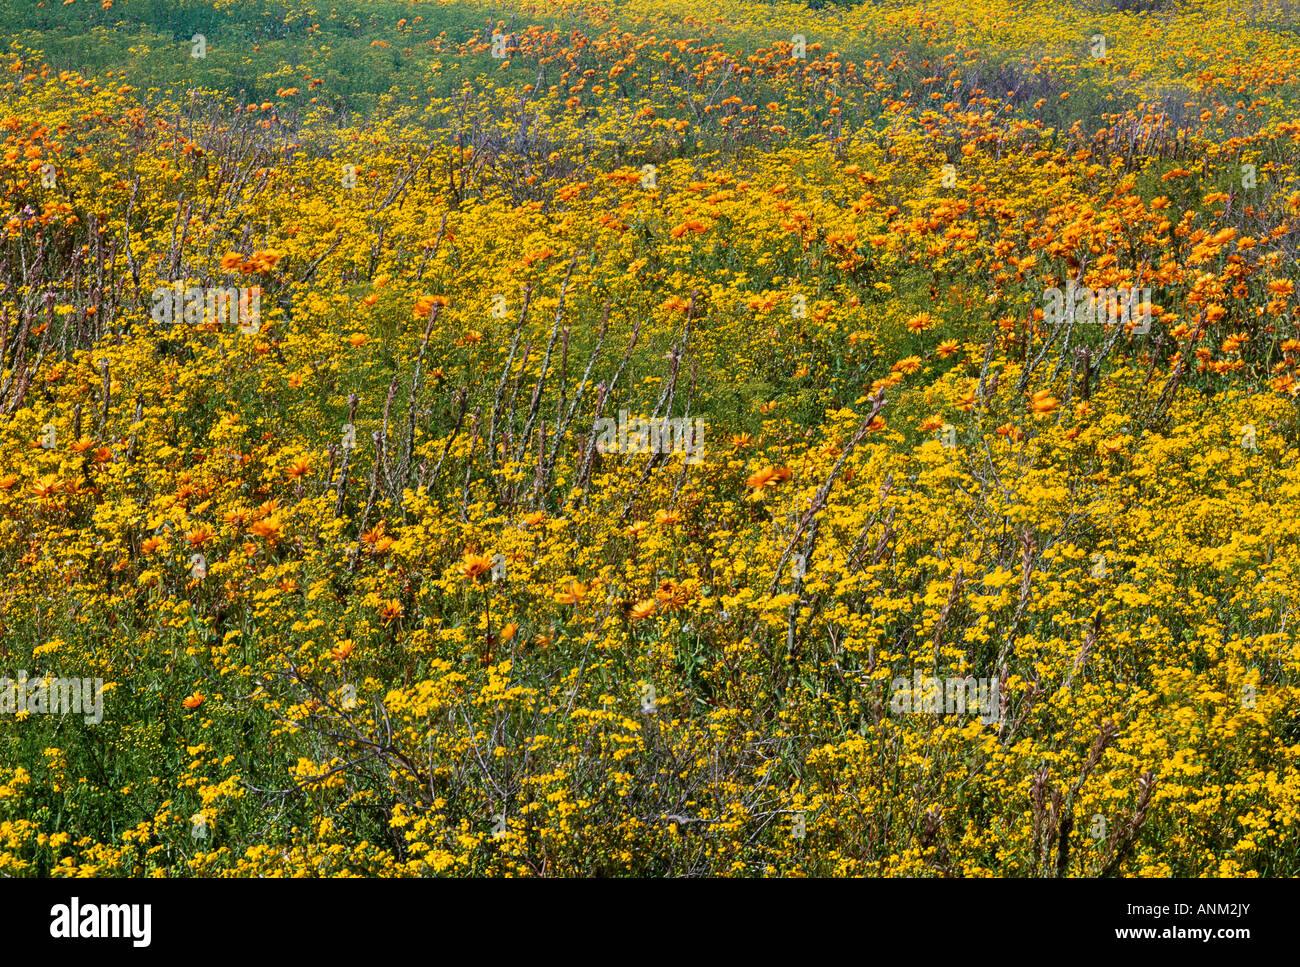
<point>538,255</point>
<point>1042,403</point>
<point>920,322</point>
<point>263,261</point>
<point>195,700</point>
<point>573,595</point>
<point>343,649</point>
<point>269,528</point>
<point>47,487</point>
<point>390,610</point>
<point>200,535</point>
<point>509,631</point>
<point>424,305</point>
<point>1234,342</point>
<point>767,477</point>
<point>643,609</point>
<point>299,468</point>
<point>475,566</point>
<point>377,541</point>
<point>674,596</point>
<point>1011,432</point>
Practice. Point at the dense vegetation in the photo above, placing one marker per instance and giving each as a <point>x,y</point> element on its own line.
<point>368,598</point>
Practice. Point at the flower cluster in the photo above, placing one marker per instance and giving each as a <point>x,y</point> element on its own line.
<point>370,560</point>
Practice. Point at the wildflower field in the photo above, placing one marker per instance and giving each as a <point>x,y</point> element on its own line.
<point>650,438</point>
